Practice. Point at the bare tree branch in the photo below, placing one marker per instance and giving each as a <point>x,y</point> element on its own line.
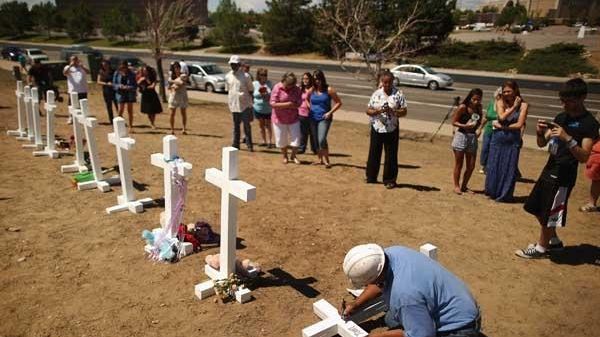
<point>349,23</point>
<point>165,19</point>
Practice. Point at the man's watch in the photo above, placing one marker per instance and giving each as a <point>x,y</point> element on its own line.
<point>572,143</point>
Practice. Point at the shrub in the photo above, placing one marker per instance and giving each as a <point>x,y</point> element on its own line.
<point>561,59</point>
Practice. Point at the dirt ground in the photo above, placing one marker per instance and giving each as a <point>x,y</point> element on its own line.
<point>85,273</point>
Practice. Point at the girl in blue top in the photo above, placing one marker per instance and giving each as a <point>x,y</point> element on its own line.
<point>261,106</point>
<point>125,89</point>
<point>319,99</point>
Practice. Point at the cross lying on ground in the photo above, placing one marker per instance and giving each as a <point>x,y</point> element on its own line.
<point>333,324</point>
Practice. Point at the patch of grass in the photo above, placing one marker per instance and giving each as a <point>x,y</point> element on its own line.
<point>94,42</point>
<point>482,55</point>
<point>561,59</point>
<point>249,48</point>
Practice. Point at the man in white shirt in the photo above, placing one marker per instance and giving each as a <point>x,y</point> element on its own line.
<point>240,89</point>
<point>76,80</point>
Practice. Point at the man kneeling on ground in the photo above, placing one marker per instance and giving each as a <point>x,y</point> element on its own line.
<point>423,298</point>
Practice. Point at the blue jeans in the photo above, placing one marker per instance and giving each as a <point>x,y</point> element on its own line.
<point>485,149</point>
<point>306,135</point>
<point>319,131</point>
<point>473,330</point>
<point>242,117</point>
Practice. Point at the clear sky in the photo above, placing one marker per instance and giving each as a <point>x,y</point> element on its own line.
<point>260,5</point>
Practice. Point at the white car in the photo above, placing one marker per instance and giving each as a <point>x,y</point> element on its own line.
<point>206,76</point>
<point>420,75</point>
<point>34,54</point>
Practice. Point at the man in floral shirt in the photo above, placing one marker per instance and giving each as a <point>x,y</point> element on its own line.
<point>387,104</point>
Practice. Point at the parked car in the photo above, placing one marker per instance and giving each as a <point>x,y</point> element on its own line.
<point>206,76</point>
<point>34,54</point>
<point>67,52</point>
<point>11,53</point>
<point>133,61</point>
<point>420,75</point>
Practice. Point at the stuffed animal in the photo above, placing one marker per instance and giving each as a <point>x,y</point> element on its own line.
<point>241,266</point>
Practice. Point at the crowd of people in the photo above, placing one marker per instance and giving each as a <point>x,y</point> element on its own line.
<point>295,115</point>
<point>572,137</point>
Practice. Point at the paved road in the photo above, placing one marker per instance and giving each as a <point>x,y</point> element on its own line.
<point>424,104</point>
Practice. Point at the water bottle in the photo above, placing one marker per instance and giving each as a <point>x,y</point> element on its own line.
<point>553,145</point>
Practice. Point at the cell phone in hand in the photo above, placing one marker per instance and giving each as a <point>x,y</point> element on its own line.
<point>549,125</point>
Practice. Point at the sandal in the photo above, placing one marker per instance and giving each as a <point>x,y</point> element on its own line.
<point>296,161</point>
<point>588,208</point>
<point>285,160</point>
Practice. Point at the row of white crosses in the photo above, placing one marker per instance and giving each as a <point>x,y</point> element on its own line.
<point>232,188</point>
<point>333,324</point>
<point>29,123</point>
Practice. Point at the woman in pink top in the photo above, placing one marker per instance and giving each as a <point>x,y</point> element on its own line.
<point>304,115</point>
<point>286,98</point>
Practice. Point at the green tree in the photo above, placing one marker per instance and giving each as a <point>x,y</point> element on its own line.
<point>380,31</point>
<point>80,22</point>
<point>512,14</point>
<point>15,18</point>
<point>188,34</point>
<point>287,26</point>
<point>470,16</point>
<point>45,17</point>
<point>489,9</point>
<point>119,21</point>
<point>230,30</point>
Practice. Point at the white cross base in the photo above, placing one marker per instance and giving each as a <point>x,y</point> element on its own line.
<point>20,131</point>
<point>50,106</point>
<point>78,164</point>
<point>123,143</point>
<point>232,189</point>
<point>333,324</point>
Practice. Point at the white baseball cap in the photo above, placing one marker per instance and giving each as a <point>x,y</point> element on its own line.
<point>234,59</point>
<point>363,264</point>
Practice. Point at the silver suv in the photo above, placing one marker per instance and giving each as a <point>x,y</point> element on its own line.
<point>206,76</point>
<point>416,74</point>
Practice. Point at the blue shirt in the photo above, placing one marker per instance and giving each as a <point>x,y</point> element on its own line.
<point>261,103</point>
<point>423,296</point>
<point>320,104</point>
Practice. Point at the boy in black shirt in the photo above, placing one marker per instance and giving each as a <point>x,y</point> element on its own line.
<point>569,138</point>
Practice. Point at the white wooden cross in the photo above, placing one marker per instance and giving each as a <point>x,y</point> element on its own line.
<point>29,116</point>
<point>232,189</point>
<point>89,123</point>
<point>49,149</point>
<point>35,113</point>
<point>79,163</point>
<point>21,117</point>
<point>333,324</point>
<point>123,144</point>
<point>171,165</point>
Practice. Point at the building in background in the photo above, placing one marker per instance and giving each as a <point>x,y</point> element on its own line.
<point>200,7</point>
<point>555,9</point>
